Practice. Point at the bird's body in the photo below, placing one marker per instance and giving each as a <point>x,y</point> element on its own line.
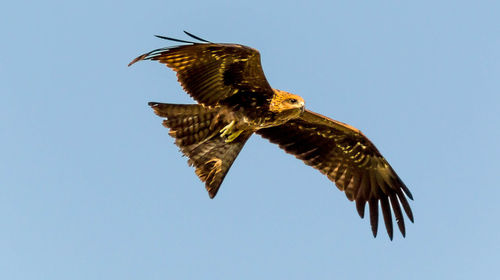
<point>236,101</point>
<point>251,112</point>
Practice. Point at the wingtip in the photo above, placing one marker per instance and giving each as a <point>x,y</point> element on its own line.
<point>401,226</point>
<point>175,40</point>
<point>196,37</point>
<point>141,57</point>
<point>405,189</point>
<point>360,207</point>
<point>412,220</point>
<point>409,214</point>
<point>374,226</point>
<point>408,193</point>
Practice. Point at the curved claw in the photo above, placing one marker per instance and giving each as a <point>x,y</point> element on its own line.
<point>233,136</point>
<point>227,132</point>
<point>227,129</point>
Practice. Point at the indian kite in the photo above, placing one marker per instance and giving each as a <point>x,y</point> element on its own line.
<point>235,101</point>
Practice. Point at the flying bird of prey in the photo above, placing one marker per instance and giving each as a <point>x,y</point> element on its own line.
<point>235,101</point>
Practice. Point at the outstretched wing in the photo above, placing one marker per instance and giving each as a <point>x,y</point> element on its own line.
<point>213,72</point>
<point>349,159</point>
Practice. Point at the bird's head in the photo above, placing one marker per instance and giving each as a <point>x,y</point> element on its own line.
<point>287,104</point>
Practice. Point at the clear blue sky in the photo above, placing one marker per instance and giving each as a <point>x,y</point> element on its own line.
<point>92,187</point>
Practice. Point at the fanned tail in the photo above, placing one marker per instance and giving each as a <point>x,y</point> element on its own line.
<point>196,130</point>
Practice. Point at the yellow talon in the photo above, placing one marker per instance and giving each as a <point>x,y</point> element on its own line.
<point>233,136</point>
<point>228,132</point>
<point>227,129</point>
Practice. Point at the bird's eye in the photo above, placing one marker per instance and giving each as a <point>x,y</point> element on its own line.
<point>292,100</point>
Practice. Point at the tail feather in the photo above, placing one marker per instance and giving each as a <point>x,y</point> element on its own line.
<point>186,134</point>
<point>213,158</point>
<point>188,124</point>
<point>174,110</point>
<point>196,130</point>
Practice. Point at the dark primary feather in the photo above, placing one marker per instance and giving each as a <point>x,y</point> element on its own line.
<point>184,41</point>
<point>174,39</point>
<point>348,158</point>
<point>196,37</point>
<point>211,72</point>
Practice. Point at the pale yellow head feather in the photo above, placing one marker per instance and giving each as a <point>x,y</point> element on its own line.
<point>283,100</point>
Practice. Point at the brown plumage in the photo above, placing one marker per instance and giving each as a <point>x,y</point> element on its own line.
<point>235,100</point>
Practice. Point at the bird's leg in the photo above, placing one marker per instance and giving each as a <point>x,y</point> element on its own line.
<point>233,136</point>
<point>228,132</point>
<point>227,129</point>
